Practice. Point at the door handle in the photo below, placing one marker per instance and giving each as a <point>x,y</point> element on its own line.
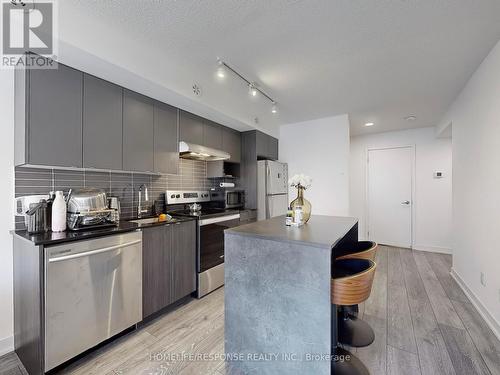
<point>405,202</point>
<point>93,252</point>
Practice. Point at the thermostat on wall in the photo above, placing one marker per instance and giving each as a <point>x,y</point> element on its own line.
<point>438,174</point>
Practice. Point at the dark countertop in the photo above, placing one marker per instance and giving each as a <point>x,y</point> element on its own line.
<point>320,231</point>
<point>53,238</point>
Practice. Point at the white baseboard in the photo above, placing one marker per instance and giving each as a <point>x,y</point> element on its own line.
<point>481,309</point>
<point>6,345</point>
<point>432,249</point>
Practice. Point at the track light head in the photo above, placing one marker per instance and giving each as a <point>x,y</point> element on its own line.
<point>221,69</point>
<point>252,89</point>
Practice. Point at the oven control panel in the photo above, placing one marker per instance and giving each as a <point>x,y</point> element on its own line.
<point>181,197</point>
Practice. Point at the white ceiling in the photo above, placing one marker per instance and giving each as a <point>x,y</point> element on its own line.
<point>377,60</point>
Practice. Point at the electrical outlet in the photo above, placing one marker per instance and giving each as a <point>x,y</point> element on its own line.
<point>482,279</point>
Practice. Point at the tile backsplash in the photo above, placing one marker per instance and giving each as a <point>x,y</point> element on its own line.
<point>192,176</point>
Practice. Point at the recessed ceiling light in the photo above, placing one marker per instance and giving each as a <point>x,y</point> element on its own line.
<point>221,70</point>
<point>369,124</point>
<point>411,118</point>
<point>274,108</point>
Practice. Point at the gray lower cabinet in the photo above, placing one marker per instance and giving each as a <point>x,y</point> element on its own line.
<point>169,264</point>
<point>156,266</point>
<point>191,128</point>
<point>212,135</point>
<point>183,259</point>
<point>231,143</point>
<point>138,132</point>
<point>48,105</point>
<point>166,138</point>
<point>248,216</point>
<point>102,124</point>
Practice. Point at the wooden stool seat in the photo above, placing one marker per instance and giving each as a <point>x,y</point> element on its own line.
<point>352,280</point>
<point>363,250</point>
<point>351,283</point>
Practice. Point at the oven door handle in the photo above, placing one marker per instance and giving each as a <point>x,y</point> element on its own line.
<point>219,219</point>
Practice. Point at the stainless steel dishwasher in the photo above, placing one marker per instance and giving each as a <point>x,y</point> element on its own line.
<point>93,290</point>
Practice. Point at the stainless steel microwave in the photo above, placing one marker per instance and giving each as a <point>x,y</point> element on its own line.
<point>229,198</point>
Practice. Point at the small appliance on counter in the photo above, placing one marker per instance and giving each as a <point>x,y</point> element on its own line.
<point>228,197</point>
<point>34,209</point>
<point>88,208</point>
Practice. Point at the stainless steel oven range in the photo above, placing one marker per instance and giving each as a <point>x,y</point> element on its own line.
<point>211,223</point>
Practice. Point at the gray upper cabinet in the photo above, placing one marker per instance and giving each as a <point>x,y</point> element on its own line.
<point>272,148</point>
<point>261,144</point>
<point>231,143</point>
<point>212,135</point>
<point>267,146</point>
<point>49,116</point>
<point>68,118</point>
<point>191,128</point>
<point>138,132</point>
<point>102,124</point>
<point>166,138</point>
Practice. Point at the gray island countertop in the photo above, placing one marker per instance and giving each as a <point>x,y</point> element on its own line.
<point>320,231</point>
<point>278,296</point>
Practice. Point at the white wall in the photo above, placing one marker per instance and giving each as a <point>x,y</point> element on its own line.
<point>7,211</point>
<point>432,205</point>
<point>320,149</point>
<point>475,116</point>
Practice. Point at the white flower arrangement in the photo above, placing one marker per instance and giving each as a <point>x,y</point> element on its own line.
<point>300,181</point>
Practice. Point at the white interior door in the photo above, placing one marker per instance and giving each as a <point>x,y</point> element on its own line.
<point>390,185</point>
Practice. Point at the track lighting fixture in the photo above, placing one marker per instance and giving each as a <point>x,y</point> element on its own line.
<point>223,68</point>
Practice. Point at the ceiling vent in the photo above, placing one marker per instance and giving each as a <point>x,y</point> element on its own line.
<point>196,89</point>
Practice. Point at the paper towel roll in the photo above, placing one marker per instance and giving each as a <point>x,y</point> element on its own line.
<point>226,184</point>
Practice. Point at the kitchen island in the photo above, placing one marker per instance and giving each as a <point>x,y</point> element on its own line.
<point>277,294</point>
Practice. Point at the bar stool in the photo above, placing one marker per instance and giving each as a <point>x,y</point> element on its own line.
<point>351,284</point>
<point>360,250</point>
<point>353,331</point>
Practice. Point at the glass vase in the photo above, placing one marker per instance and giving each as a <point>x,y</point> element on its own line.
<point>301,201</point>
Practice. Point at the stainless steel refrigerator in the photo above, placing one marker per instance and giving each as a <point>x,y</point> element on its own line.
<point>272,189</point>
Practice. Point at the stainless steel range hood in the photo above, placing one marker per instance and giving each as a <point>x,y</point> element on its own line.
<point>199,152</point>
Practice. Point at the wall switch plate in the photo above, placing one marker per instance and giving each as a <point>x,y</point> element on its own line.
<point>482,279</point>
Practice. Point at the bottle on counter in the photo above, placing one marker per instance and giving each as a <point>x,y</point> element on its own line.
<point>289,217</point>
<point>59,213</point>
<point>298,216</point>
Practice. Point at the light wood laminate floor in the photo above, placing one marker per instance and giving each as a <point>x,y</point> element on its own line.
<point>424,324</point>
